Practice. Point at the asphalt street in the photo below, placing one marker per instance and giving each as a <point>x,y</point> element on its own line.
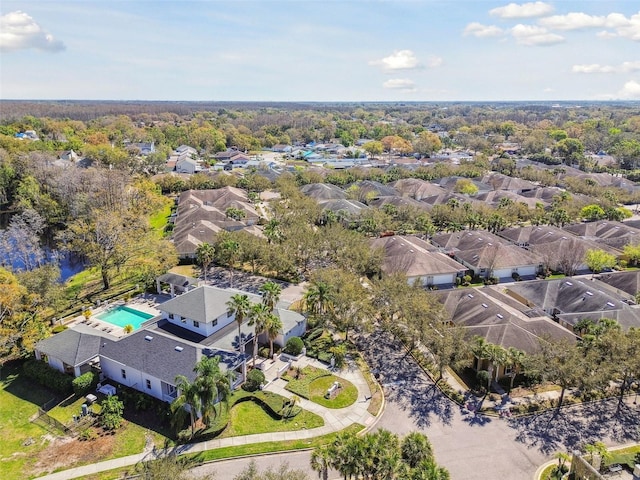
<point>470,446</point>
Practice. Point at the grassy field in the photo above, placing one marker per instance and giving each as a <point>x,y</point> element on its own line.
<point>347,395</point>
<point>19,400</point>
<point>248,418</point>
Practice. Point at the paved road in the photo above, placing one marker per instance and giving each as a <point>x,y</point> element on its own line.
<point>478,447</point>
<point>471,447</point>
<point>228,469</point>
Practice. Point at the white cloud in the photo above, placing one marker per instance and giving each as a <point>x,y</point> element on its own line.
<point>593,68</point>
<point>531,35</point>
<point>483,31</point>
<point>630,90</point>
<point>398,60</point>
<point>19,31</point>
<point>525,10</point>
<point>400,84</point>
<point>549,90</point>
<point>624,67</point>
<point>606,34</point>
<point>620,24</point>
<point>433,61</point>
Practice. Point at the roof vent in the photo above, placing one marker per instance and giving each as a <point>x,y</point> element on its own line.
<point>148,338</point>
<point>178,348</point>
<point>611,304</point>
<point>590,294</point>
<point>485,305</point>
<point>499,315</point>
<point>569,283</point>
<point>470,295</point>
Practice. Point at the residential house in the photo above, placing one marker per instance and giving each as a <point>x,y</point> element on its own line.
<point>496,318</point>
<point>487,255</point>
<point>558,249</point>
<point>72,351</point>
<point>323,191</point>
<point>69,156</point>
<point>282,148</point>
<point>612,234</point>
<point>418,260</point>
<point>417,189</point>
<point>192,325</point>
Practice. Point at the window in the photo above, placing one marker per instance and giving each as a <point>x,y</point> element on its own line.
<point>183,320</point>
<point>196,324</point>
<point>171,316</point>
<point>229,313</point>
<point>148,384</point>
<point>215,322</point>
<point>123,373</point>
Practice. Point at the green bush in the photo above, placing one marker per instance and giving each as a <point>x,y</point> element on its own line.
<point>59,328</point>
<point>294,346</point>
<point>47,376</point>
<point>83,383</point>
<point>255,378</point>
<point>263,352</point>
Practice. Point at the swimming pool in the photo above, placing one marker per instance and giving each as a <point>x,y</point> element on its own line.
<point>122,316</point>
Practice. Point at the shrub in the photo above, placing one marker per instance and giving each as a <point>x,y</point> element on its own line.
<point>84,382</point>
<point>255,378</point>
<point>516,276</point>
<point>111,414</point>
<point>264,352</point>
<point>59,328</point>
<point>466,280</point>
<point>294,346</point>
<point>47,376</point>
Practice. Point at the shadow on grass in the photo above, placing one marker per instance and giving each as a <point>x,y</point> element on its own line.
<point>16,383</point>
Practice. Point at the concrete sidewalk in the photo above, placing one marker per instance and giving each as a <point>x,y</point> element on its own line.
<point>334,420</point>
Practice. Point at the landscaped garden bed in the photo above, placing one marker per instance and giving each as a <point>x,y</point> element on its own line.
<point>312,383</point>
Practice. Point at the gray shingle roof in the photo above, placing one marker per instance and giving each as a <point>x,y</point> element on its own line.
<point>71,346</point>
<point>157,357</point>
<point>203,304</point>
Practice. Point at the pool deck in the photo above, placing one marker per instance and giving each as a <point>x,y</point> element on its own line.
<point>146,303</point>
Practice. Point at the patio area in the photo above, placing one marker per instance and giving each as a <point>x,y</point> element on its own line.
<point>144,303</point>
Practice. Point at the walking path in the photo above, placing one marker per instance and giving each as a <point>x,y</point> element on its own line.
<point>334,420</point>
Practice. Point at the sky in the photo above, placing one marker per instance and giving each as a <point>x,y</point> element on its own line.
<point>324,51</point>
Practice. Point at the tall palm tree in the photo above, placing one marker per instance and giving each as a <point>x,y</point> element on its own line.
<point>271,294</point>
<point>321,461</point>
<point>212,386</point>
<point>318,299</point>
<point>515,358</point>
<point>189,397</point>
<point>239,305</point>
<point>258,314</point>
<point>273,327</point>
<point>205,253</point>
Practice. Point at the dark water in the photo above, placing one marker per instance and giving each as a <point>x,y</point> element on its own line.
<point>69,263</point>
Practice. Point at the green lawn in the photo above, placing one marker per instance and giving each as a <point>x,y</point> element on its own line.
<point>160,219</point>
<point>624,456</point>
<point>19,400</point>
<point>298,381</point>
<point>248,418</point>
<point>242,450</point>
<point>347,395</point>
<point>73,406</point>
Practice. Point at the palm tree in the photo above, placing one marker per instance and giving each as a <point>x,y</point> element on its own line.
<point>318,299</point>
<point>239,305</point>
<point>212,386</point>
<point>270,294</point>
<point>205,253</point>
<point>515,358</point>
<point>229,250</point>
<point>258,314</point>
<point>321,461</point>
<point>415,449</point>
<point>189,397</point>
<point>273,327</point>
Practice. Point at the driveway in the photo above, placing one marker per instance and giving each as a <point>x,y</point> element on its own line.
<point>480,447</point>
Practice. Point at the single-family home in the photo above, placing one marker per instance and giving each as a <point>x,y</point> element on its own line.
<point>72,351</point>
<point>487,255</point>
<point>192,325</point>
<point>613,234</point>
<point>418,260</point>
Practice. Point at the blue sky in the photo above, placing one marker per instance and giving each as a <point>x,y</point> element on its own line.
<point>297,50</point>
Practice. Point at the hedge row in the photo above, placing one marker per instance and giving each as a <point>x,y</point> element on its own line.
<point>84,383</point>
<point>47,376</point>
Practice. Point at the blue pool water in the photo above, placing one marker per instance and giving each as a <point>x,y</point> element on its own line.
<point>122,316</point>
